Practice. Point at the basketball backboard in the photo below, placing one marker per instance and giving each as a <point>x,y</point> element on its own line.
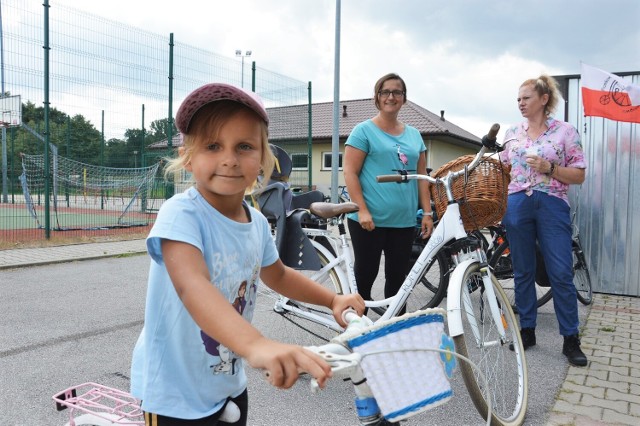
<point>10,111</point>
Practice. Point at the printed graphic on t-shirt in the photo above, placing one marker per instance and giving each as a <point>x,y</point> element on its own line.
<point>227,363</point>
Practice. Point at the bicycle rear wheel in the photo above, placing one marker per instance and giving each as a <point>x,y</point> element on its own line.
<point>500,263</point>
<point>288,326</point>
<point>432,287</point>
<point>504,369</point>
<point>581,277</point>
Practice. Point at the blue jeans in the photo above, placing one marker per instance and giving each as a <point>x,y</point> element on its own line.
<point>546,218</point>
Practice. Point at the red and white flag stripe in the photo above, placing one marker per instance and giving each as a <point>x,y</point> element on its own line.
<point>609,96</point>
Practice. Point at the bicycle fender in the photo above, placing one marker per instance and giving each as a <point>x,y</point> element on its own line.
<point>454,312</point>
<point>342,276</point>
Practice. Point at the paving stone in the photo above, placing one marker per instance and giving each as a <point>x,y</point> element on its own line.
<point>603,351</point>
<point>569,396</point>
<point>561,419</point>
<point>609,368</point>
<point>586,421</point>
<point>593,412</point>
<point>619,418</point>
<point>605,360</point>
<point>619,406</point>
<point>624,378</point>
<point>619,355</point>
<point>620,363</point>
<point>596,392</point>
<point>575,378</point>
<point>603,384</point>
<point>614,395</point>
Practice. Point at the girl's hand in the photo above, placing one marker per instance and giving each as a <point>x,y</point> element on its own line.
<point>283,363</point>
<point>341,303</point>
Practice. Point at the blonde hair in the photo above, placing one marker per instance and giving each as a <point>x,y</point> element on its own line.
<point>546,85</point>
<point>206,123</point>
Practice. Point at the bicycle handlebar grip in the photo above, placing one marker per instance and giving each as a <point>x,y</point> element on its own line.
<point>349,315</point>
<point>389,178</point>
<point>489,140</point>
<point>493,131</point>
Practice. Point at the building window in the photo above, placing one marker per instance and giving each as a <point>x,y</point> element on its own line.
<point>300,161</point>
<point>326,161</point>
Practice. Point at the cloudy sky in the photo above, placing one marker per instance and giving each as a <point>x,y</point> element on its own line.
<point>467,57</point>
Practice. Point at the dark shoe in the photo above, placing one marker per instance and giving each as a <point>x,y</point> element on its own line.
<point>571,349</point>
<point>528,336</point>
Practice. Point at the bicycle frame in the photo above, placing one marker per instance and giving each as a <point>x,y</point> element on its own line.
<point>344,257</point>
<point>450,228</point>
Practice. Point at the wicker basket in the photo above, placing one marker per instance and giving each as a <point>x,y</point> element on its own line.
<point>483,198</point>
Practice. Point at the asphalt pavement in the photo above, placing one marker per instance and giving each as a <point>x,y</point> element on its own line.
<point>72,313</point>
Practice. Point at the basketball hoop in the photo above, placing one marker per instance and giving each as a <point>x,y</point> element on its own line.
<point>10,111</point>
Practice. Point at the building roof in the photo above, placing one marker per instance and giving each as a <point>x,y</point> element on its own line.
<point>355,111</point>
<point>289,123</point>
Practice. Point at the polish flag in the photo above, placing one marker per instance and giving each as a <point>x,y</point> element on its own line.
<point>609,96</point>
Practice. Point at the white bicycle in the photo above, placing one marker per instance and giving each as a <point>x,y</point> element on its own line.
<point>480,319</point>
<point>380,360</point>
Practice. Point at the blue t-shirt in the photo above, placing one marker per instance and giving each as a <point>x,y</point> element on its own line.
<point>177,370</point>
<point>391,205</point>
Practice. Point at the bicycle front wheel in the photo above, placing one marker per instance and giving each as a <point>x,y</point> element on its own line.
<point>581,277</point>
<point>504,369</point>
<point>289,325</point>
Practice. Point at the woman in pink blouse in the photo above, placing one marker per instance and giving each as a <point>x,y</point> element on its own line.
<point>546,157</point>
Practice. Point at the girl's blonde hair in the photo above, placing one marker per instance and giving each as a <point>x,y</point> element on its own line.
<point>546,85</point>
<point>206,123</point>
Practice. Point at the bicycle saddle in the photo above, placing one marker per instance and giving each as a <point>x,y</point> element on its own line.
<point>329,210</point>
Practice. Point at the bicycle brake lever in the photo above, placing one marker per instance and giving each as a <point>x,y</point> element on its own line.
<point>341,365</point>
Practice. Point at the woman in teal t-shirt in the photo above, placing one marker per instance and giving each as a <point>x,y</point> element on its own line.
<point>385,222</point>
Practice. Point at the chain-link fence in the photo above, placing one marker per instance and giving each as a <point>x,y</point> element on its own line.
<point>82,165</point>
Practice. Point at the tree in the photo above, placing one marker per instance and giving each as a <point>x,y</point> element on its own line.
<point>159,130</point>
<point>75,137</point>
<point>118,154</point>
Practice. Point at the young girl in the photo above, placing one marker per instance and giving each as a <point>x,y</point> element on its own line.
<point>208,249</point>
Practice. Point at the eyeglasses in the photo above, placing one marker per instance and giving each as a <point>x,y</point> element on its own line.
<point>387,93</point>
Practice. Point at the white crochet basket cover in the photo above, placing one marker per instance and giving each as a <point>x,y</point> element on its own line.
<point>404,383</point>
